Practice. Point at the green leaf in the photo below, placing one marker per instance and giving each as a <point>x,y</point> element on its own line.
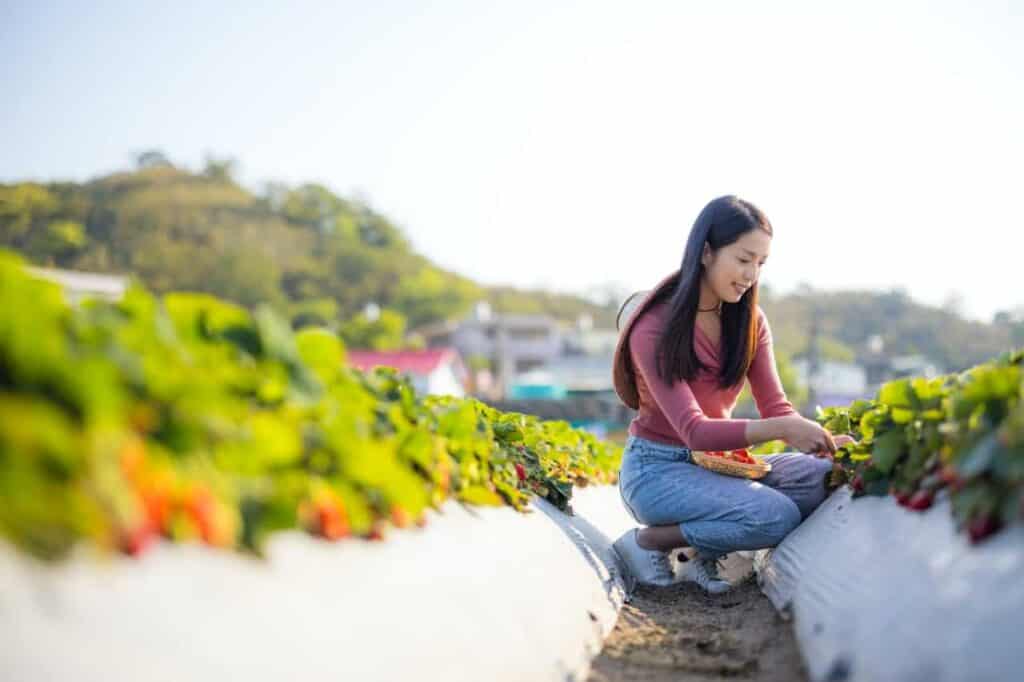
<point>887,449</point>
<point>322,352</point>
<point>980,458</point>
<point>897,394</point>
<point>477,494</point>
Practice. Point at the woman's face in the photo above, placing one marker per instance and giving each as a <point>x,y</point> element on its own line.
<point>736,267</point>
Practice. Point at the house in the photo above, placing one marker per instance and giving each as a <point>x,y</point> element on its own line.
<point>833,382</point>
<point>438,371</point>
<point>512,343</point>
<point>883,368</point>
<point>575,373</point>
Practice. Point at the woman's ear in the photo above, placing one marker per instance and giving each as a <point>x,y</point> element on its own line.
<point>705,257</point>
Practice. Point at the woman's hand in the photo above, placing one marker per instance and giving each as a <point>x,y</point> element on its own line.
<point>808,436</point>
<point>842,440</point>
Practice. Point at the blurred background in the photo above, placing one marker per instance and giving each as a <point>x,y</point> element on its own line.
<point>468,191</point>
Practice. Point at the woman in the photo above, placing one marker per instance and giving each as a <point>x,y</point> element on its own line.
<point>681,361</point>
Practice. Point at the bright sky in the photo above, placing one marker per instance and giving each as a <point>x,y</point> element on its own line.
<point>568,144</point>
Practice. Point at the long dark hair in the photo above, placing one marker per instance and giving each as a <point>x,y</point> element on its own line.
<point>721,222</point>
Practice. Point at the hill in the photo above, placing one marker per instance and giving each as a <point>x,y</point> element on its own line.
<point>304,250</point>
<point>320,258</point>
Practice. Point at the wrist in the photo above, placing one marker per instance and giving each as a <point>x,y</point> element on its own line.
<point>783,428</point>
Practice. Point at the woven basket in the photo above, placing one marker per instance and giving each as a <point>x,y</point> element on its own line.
<point>730,468</point>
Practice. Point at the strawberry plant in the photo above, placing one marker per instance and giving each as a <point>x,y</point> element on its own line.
<point>189,419</point>
<point>960,433</point>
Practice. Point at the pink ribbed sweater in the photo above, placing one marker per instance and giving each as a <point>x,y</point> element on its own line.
<point>696,414</point>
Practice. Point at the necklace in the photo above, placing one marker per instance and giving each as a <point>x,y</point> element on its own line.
<point>717,309</point>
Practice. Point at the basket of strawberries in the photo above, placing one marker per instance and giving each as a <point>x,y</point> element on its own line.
<point>731,463</point>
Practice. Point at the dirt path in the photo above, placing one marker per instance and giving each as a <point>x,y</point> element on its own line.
<point>681,633</point>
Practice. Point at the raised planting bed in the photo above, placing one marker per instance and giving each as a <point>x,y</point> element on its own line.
<point>481,593</point>
<point>880,592</point>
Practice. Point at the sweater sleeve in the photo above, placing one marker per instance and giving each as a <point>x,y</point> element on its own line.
<point>677,402</point>
<point>765,385</point>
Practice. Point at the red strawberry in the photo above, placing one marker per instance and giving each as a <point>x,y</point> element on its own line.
<point>742,456</point>
<point>136,540</point>
<point>920,500</point>
<point>857,484</point>
<point>981,527</point>
<point>376,532</point>
<point>520,471</point>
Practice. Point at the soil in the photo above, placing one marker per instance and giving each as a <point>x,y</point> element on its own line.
<point>682,633</point>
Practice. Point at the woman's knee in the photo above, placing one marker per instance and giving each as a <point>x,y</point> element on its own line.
<point>816,489</point>
<point>775,519</point>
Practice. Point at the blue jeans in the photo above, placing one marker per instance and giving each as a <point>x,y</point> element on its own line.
<point>718,514</point>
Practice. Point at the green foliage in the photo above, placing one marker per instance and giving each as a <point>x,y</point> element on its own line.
<point>795,391</point>
<point>386,332</point>
<point>848,319</point>
<point>831,349</point>
<point>178,231</point>
<point>963,433</point>
<point>190,418</point>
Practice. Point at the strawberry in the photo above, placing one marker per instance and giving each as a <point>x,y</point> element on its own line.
<point>520,471</point>
<point>400,517</point>
<point>332,520</point>
<point>742,456</point>
<point>202,508</point>
<point>136,540</point>
<point>158,506</point>
<point>376,532</point>
<point>920,500</point>
<point>981,527</point>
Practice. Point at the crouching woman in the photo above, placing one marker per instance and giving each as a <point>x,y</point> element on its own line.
<point>682,359</point>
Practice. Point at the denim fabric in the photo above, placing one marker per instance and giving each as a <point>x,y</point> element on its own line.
<point>718,514</point>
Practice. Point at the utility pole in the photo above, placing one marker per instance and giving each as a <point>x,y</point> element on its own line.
<point>813,358</point>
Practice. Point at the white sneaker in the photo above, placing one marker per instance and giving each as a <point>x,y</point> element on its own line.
<point>648,566</point>
<point>704,571</point>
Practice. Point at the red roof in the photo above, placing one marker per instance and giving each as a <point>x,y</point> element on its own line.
<point>411,361</point>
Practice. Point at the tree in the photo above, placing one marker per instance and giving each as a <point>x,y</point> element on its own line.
<point>385,333</point>
<point>151,158</point>
<point>221,170</point>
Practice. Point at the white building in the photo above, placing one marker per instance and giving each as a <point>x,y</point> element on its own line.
<point>513,343</point>
<point>835,383</point>
<point>437,371</point>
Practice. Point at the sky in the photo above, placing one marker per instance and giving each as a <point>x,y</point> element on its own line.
<point>568,145</point>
